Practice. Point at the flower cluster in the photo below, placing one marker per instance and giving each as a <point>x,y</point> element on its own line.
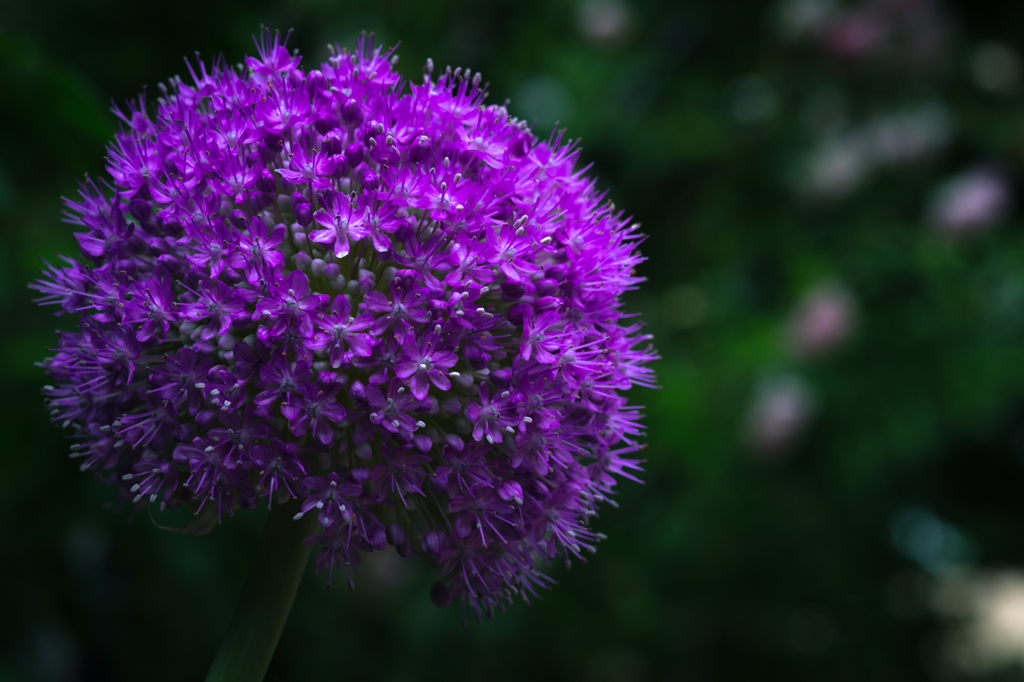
<point>392,303</point>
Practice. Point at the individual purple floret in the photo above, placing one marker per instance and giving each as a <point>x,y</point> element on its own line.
<point>390,301</point>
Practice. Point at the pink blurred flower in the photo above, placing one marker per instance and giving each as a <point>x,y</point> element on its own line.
<point>823,320</point>
<point>970,202</point>
<point>855,35</point>
<point>903,33</point>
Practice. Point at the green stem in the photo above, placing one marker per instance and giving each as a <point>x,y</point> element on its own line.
<point>267,597</point>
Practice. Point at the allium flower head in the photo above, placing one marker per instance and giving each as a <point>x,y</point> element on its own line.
<point>391,302</point>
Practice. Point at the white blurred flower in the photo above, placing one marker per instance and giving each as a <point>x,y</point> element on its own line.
<point>823,320</point>
<point>909,136</point>
<point>838,166</point>
<point>796,18</point>
<point>990,608</point>
<point>782,407</point>
<point>603,21</point>
<point>970,202</point>
<point>841,162</point>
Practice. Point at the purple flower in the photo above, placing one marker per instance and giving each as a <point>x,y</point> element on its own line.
<point>338,225</point>
<point>491,417</point>
<point>152,305</point>
<point>392,410</point>
<point>405,305</point>
<point>340,329</point>
<point>464,467</point>
<point>241,431</point>
<point>181,379</point>
<point>219,304</point>
<point>279,466</point>
<point>400,471</point>
<point>287,306</point>
<point>259,249</point>
<point>279,378</point>
<point>332,498</point>
<point>335,269</point>
<point>313,408</point>
<point>306,166</point>
<point>423,362</point>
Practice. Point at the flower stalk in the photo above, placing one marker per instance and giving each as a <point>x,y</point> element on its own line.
<point>266,600</point>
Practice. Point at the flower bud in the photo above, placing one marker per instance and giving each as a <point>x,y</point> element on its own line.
<point>265,181</point>
<point>419,150</point>
<point>303,214</point>
<point>547,287</point>
<point>325,122</point>
<point>368,177</point>
<point>433,542</point>
<point>395,534</point>
<point>351,112</point>
<point>500,378</point>
<point>315,81</point>
<point>354,154</point>
<point>332,145</point>
<point>238,220</point>
<point>510,491</point>
<point>512,291</point>
<point>141,209</point>
<point>517,313</point>
<point>172,228</point>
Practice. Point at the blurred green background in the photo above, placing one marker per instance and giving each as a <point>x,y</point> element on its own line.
<point>836,285</point>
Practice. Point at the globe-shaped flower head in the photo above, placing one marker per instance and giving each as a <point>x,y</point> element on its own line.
<point>394,304</point>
